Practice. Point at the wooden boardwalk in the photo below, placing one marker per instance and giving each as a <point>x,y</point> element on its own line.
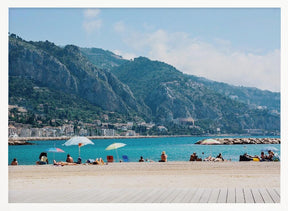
<point>150,195</point>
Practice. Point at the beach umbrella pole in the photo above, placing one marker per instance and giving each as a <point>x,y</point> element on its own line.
<point>117,155</point>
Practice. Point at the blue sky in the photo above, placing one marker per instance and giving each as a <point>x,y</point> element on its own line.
<point>233,45</point>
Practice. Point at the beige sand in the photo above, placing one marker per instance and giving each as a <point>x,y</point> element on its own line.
<point>32,181</point>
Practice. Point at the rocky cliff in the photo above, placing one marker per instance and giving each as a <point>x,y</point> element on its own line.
<point>65,69</point>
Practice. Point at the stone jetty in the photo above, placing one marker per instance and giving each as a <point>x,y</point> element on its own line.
<point>19,142</point>
<point>230,141</point>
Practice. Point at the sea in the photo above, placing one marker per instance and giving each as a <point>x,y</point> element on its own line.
<point>177,149</point>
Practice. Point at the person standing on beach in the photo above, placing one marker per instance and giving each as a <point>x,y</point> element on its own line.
<point>163,157</point>
<point>69,159</point>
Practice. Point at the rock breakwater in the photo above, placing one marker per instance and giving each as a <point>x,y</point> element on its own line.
<point>230,141</point>
<point>19,142</point>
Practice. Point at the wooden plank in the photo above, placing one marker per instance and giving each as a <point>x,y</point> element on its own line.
<point>277,190</point>
<point>173,194</point>
<point>273,195</point>
<point>205,195</point>
<point>157,197</point>
<point>239,195</point>
<point>106,195</point>
<point>148,195</point>
<point>222,195</point>
<point>265,195</point>
<point>257,196</point>
<point>189,195</point>
<point>231,195</point>
<point>126,197</point>
<point>163,196</point>
<point>197,196</point>
<point>180,196</point>
<point>95,195</point>
<point>115,195</point>
<point>214,195</point>
<point>248,195</point>
<point>74,196</point>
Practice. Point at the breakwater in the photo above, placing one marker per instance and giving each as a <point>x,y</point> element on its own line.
<point>230,141</point>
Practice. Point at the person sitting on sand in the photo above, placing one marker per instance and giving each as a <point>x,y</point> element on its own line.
<point>79,161</point>
<point>69,159</point>
<point>14,162</point>
<point>263,157</point>
<point>194,157</point>
<point>270,155</point>
<point>42,159</point>
<point>219,157</point>
<point>141,159</point>
<point>163,157</point>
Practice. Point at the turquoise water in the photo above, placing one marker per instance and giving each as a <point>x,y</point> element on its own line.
<point>177,149</point>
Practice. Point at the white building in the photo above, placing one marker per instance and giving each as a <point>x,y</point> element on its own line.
<point>107,132</point>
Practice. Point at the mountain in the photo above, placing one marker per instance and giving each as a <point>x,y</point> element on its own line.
<point>67,70</point>
<point>249,95</point>
<point>102,58</point>
<point>74,83</point>
<point>252,96</point>
<point>172,95</point>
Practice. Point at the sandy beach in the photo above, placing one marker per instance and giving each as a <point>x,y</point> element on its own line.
<point>122,182</point>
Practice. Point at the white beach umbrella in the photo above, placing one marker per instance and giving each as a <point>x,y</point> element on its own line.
<point>78,140</point>
<point>115,146</point>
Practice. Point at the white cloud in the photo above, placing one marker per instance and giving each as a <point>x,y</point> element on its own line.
<point>92,25</point>
<point>217,61</point>
<point>91,20</point>
<point>91,13</point>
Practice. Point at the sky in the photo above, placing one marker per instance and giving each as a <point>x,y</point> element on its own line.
<point>239,46</point>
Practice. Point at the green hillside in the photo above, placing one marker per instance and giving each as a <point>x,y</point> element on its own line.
<point>82,84</point>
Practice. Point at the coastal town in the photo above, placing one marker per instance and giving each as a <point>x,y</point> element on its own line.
<point>71,128</point>
<point>104,127</point>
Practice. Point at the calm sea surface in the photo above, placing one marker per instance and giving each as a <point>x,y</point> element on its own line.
<point>177,149</point>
